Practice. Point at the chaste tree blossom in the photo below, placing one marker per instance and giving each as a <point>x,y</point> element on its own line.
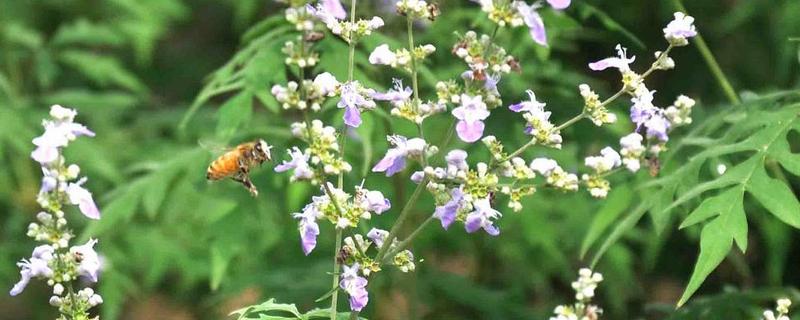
<point>517,13</point>
<point>781,310</point>
<point>55,261</point>
<point>582,309</point>
<point>343,210</point>
<point>461,192</point>
<point>470,117</point>
<point>395,159</point>
<point>355,286</point>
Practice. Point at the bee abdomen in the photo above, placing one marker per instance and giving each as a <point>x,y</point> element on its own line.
<point>222,167</point>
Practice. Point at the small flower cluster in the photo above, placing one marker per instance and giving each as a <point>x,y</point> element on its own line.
<point>539,125</point>
<point>462,194</point>
<point>483,56</point>
<point>594,109</point>
<point>294,96</point>
<point>322,151</point>
<point>516,13</point>
<point>781,310</point>
<point>400,58</point>
<point>341,211</point>
<point>404,106</point>
<point>555,175</point>
<point>55,261</point>
<point>299,55</point>
<point>582,309</point>
<point>596,183</point>
<point>402,148</point>
<point>653,124</point>
<point>417,9</point>
<point>347,30</point>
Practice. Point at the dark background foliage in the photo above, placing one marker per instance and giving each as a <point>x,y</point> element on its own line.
<point>177,247</point>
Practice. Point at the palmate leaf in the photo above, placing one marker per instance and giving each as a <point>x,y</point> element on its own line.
<point>754,140</point>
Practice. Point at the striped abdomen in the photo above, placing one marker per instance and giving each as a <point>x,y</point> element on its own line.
<point>224,166</point>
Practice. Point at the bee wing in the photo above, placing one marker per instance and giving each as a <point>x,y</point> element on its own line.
<point>215,147</point>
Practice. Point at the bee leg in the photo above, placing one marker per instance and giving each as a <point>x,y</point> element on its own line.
<point>244,178</point>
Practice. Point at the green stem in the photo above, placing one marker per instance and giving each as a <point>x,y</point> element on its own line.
<point>335,296</point>
<point>350,69</point>
<point>403,244</point>
<point>352,42</point>
<point>401,219</point>
<point>335,285</point>
<point>414,81</point>
<point>711,62</point>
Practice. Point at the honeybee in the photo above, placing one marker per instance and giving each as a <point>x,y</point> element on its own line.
<point>237,162</point>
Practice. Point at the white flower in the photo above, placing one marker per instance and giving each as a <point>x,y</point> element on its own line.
<point>608,159</point>
<point>544,166</point>
<point>586,284</point>
<point>62,114</point>
<point>631,149</point>
<point>621,61</point>
<point>383,55</point>
<point>326,83</point>
<point>83,199</point>
<point>37,266</point>
<point>88,260</point>
<point>679,29</point>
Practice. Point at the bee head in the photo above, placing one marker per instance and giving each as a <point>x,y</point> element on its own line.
<point>264,149</point>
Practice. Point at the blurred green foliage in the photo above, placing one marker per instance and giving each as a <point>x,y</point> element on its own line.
<point>133,68</point>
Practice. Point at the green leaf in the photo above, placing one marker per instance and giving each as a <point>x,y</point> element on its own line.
<point>235,112</point>
<point>715,243</point>
<point>85,32</point>
<point>619,200</point>
<point>103,70</point>
<point>220,260</point>
<point>775,196</point>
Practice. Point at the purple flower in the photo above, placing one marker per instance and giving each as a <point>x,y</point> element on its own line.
<point>322,13</point>
<point>88,260</point>
<point>81,197</point>
<point>376,202</point>
<point>657,126</point>
<point>447,212</point>
<point>491,83</point>
<point>621,61</point>
<point>335,8</point>
<point>396,94</point>
<point>36,266</point>
<point>532,106</point>
<point>309,229</point>
<point>679,29</point>
<point>395,158</point>
<point>351,101</point>
<point>645,114</point>
<point>533,20</point>
<point>57,134</point>
<point>470,114</point>
<point>49,180</point>
<point>378,236</point>
<point>559,4</point>
<point>482,217</point>
<point>417,176</point>
<point>457,158</point>
<point>355,286</point>
<point>299,163</point>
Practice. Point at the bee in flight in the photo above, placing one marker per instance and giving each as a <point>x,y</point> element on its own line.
<point>237,162</point>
